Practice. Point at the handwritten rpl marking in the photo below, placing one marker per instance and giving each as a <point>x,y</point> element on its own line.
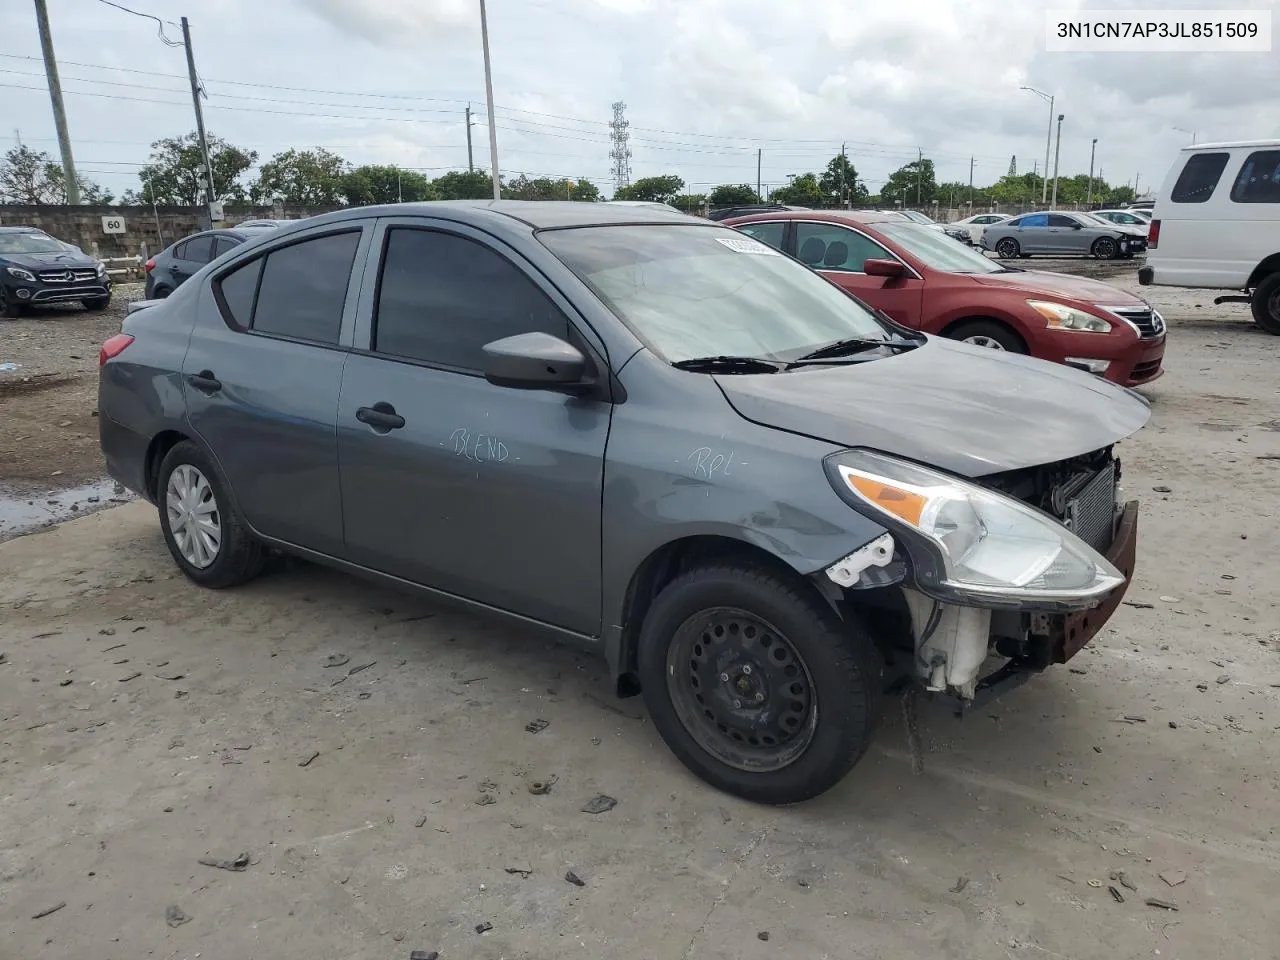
<point>478,447</point>
<point>707,462</point>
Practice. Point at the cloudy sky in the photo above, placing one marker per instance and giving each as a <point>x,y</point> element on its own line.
<point>706,83</point>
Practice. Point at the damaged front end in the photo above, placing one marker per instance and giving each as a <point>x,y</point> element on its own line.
<point>981,584</point>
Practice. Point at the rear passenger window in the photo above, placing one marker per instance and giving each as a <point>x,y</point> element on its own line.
<point>303,288</point>
<point>442,297</point>
<point>198,249</point>
<point>1198,178</point>
<point>1259,179</point>
<point>1034,220</point>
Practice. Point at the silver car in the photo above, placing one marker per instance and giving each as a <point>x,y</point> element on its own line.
<point>1059,233</point>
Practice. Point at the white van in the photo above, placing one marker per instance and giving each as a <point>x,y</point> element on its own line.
<point>1217,225</point>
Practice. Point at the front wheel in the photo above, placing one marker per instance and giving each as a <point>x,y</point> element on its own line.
<point>1265,304</point>
<point>10,307</point>
<point>97,303</point>
<point>756,685</point>
<point>1105,248</point>
<point>204,532</point>
<point>989,334</point>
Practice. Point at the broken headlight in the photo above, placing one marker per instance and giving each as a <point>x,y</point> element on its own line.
<point>979,547</point>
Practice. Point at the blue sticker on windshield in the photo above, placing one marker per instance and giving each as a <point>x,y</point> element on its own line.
<point>745,245</point>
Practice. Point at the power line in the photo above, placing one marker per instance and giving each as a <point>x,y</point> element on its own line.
<point>146,16</point>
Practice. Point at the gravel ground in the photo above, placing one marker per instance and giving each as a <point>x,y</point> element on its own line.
<point>385,804</point>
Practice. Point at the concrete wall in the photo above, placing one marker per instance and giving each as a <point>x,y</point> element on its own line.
<point>155,229</point>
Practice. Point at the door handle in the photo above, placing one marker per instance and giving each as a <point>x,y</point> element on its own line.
<point>205,381</point>
<point>381,416</point>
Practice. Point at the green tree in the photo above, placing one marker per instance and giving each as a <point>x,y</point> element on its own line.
<point>1020,188</point>
<point>803,191</point>
<point>548,188</point>
<point>309,177</point>
<point>28,176</point>
<point>654,189</point>
<point>373,183</point>
<point>913,183</point>
<point>1115,196</point>
<point>729,195</point>
<point>840,183</point>
<point>689,202</point>
<point>464,185</point>
<point>584,191</point>
<point>173,175</point>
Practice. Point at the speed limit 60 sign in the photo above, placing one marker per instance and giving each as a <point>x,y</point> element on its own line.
<point>113,225</point>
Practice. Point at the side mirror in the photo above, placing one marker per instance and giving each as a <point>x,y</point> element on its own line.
<point>533,361</point>
<point>1077,226</point>
<point>883,268</point>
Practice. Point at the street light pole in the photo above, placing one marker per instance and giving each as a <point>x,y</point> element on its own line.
<point>1092,150</point>
<point>1048,137</point>
<point>488,91</point>
<point>1056,150</point>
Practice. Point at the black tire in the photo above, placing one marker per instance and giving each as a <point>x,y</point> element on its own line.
<point>159,293</point>
<point>1007,248</point>
<point>994,330</point>
<point>10,308</point>
<point>836,663</point>
<point>239,556</point>
<point>1266,304</point>
<point>1105,248</point>
<point>97,303</point>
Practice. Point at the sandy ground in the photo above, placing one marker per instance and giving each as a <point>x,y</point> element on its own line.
<point>146,724</point>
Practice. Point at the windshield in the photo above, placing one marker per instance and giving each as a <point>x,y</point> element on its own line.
<point>30,243</point>
<point>694,291</point>
<point>937,250</point>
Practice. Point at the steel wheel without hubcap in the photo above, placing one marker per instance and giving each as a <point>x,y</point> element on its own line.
<point>981,340</point>
<point>194,518</point>
<point>741,690</point>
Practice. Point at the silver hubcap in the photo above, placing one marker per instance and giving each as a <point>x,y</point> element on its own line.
<point>982,340</point>
<point>194,518</point>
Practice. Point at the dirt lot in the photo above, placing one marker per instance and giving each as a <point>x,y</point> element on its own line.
<point>146,724</point>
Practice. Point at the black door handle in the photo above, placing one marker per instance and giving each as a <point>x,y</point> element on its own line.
<point>381,416</point>
<point>205,381</point>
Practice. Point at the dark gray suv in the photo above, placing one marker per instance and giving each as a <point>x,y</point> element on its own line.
<point>171,267</point>
<point>647,434</point>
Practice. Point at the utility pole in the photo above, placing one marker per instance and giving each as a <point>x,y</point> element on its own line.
<point>971,184</point>
<point>55,95</point>
<point>195,99</point>
<point>1092,149</point>
<point>759,159</point>
<point>919,167</point>
<point>471,163</point>
<point>488,92</point>
<point>1056,150</point>
<point>844,201</point>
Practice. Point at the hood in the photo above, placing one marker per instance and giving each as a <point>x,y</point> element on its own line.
<point>1061,286</point>
<point>46,261</point>
<point>970,410</point>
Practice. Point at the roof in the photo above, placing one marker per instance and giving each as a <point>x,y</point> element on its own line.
<point>835,216</point>
<point>538,214</point>
<point>1227,144</point>
<point>21,230</point>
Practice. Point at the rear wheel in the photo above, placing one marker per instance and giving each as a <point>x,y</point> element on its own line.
<point>988,333</point>
<point>1266,304</point>
<point>756,685</point>
<point>1105,248</point>
<point>159,293</point>
<point>202,528</point>
<point>1007,248</point>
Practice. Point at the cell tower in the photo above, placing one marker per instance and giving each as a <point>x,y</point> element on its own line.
<point>621,152</point>
<point>1013,165</point>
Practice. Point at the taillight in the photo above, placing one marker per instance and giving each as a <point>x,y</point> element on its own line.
<point>1153,235</point>
<point>113,347</point>
<point>149,265</point>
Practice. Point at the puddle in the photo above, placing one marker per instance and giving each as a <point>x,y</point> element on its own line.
<point>23,512</point>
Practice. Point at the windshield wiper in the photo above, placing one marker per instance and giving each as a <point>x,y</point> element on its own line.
<point>726,364</point>
<point>847,346</point>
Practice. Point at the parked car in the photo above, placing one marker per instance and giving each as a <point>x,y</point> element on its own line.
<point>1128,218</point>
<point>1147,204</point>
<point>915,216</point>
<point>37,269</point>
<point>268,224</point>
<point>1058,233</point>
<point>931,283</point>
<point>1217,225</point>
<point>643,433</point>
<point>969,230</point>
<point>172,266</point>
<point>725,213</point>
<point>649,204</point>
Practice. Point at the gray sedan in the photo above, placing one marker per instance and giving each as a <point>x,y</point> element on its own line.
<point>1058,233</point>
<point>642,433</point>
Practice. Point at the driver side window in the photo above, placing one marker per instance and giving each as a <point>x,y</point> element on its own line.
<point>828,246</point>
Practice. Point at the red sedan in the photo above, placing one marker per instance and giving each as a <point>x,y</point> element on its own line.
<point>928,281</point>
